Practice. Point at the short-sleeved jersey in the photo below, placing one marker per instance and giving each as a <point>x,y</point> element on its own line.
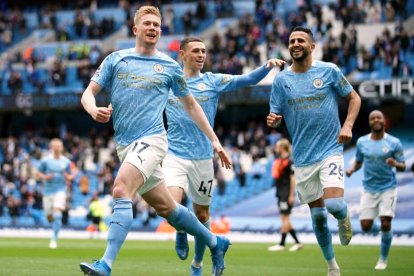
<point>139,88</point>
<point>56,167</point>
<point>309,104</point>
<point>185,139</point>
<point>378,176</point>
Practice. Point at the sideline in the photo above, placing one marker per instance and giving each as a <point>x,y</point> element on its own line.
<point>246,237</point>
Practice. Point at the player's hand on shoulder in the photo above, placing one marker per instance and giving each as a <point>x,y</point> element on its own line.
<point>273,120</point>
<point>224,158</point>
<point>102,114</point>
<point>273,62</point>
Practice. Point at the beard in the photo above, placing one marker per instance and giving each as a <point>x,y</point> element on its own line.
<point>378,129</point>
<point>300,58</point>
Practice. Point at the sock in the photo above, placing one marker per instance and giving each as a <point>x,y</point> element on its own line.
<point>182,219</point>
<point>200,247</point>
<point>118,229</point>
<point>332,264</point>
<point>386,238</point>
<point>283,239</point>
<point>196,264</point>
<point>337,207</point>
<point>57,224</point>
<point>293,234</point>
<point>322,233</point>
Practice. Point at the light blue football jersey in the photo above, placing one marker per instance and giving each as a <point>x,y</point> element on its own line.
<point>185,139</point>
<point>378,176</point>
<point>139,88</point>
<point>56,167</point>
<point>309,104</point>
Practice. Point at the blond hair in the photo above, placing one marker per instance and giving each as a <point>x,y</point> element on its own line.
<point>285,144</point>
<point>144,10</point>
<point>56,141</point>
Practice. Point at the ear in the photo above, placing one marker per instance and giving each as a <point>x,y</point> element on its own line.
<point>181,53</point>
<point>134,29</point>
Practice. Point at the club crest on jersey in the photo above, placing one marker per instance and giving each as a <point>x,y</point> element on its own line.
<point>201,86</point>
<point>385,149</point>
<point>317,83</point>
<point>158,68</point>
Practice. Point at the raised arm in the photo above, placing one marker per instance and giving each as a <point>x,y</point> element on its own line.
<point>99,114</point>
<point>354,104</point>
<point>196,113</point>
<point>258,74</point>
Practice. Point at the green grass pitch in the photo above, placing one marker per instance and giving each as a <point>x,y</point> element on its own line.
<point>31,257</point>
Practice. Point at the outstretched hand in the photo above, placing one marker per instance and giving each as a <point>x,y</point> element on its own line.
<point>224,158</point>
<point>273,62</point>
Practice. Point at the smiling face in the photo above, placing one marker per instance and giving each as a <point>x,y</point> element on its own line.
<point>377,121</point>
<point>194,55</point>
<point>300,45</point>
<point>147,29</point>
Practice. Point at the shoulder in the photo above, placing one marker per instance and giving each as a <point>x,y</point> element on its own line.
<point>66,159</point>
<point>363,139</point>
<point>325,65</point>
<point>116,56</point>
<point>166,59</point>
<point>282,75</point>
<point>218,78</point>
<point>46,160</point>
<point>392,139</point>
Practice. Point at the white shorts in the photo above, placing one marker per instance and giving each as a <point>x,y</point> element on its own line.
<point>52,202</point>
<point>313,179</point>
<point>146,155</point>
<point>195,177</point>
<point>381,204</point>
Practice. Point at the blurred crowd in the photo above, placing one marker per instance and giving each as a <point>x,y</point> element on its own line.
<point>93,159</point>
<point>239,47</point>
<point>236,50</point>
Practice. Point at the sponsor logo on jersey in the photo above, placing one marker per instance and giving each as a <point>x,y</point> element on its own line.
<point>226,78</point>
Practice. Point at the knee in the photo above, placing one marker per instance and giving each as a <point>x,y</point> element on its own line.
<point>119,189</point>
<point>202,215</point>
<point>334,205</point>
<point>385,226</point>
<point>319,216</point>
<point>163,211</point>
<point>366,226</point>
